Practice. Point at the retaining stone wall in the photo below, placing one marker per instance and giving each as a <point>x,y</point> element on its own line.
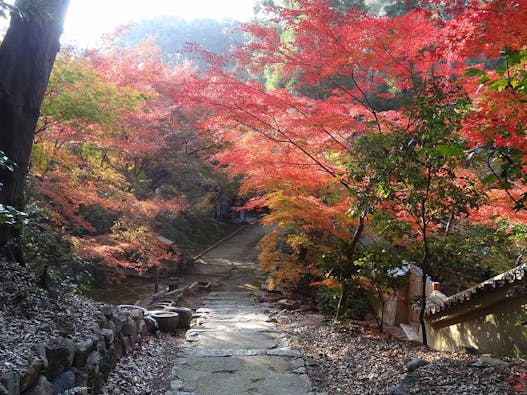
<point>83,364</point>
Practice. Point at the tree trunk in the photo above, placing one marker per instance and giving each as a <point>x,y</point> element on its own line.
<point>353,245</point>
<point>342,300</point>
<point>156,279</point>
<point>27,54</point>
<point>423,309</point>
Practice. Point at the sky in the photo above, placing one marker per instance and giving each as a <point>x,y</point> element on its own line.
<point>88,19</point>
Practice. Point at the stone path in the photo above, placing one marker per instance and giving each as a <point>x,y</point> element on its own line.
<point>235,348</point>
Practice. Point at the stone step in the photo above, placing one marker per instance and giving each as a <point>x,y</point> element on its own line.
<point>235,348</point>
<point>194,352</point>
<point>242,374</point>
<point>234,294</point>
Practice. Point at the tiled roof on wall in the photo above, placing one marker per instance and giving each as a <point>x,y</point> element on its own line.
<point>512,276</point>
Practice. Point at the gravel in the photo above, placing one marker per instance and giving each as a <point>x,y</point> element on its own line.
<point>352,358</point>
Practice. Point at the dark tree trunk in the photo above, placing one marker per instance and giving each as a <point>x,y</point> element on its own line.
<point>423,309</point>
<point>27,54</point>
<point>345,286</point>
<point>156,279</point>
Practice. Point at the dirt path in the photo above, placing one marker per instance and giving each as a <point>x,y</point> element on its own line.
<point>235,346</point>
<point>231,266</point>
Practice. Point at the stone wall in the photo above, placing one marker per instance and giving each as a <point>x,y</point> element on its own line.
<point>82,364</point>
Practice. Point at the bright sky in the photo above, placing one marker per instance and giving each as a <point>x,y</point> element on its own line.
<point>88,19</point>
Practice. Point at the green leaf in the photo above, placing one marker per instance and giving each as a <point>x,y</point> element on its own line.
<point>475,72</point>
<point>450,150</point>
<point>489,179</point>
<point>499,85</point>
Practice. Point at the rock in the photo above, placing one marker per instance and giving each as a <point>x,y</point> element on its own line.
<point>300,370</point>
<point>470,350</point>
<point>11,382</point>
<point>485,362</point>
<point>108,312</point>
<point>111,326</point>
<point>93,362</point>
<point>81,379</point>
<point>41,387</point>
<point>151,324</point>
<point>120,320</point>
<point>126,343</point>
<point>108,336</point>
<point>136,314</point>
<point>142,328</point>
<point>177,384</point>
<point>29,375</point>
<point>41,351</point>
<point>131,329</point>
<point>104,322</point>
<point>396,391</point>
<point>60,357</point>
<point>185,316</point>
<point>95,327</point>
<point>297,363</point>
<point>63,382</point>
<point>93,370</point>
<point>415,364</point>
<point>105,363</point>
<point>82,350</point>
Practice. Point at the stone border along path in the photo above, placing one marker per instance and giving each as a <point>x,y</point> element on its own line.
<point>236,349</point>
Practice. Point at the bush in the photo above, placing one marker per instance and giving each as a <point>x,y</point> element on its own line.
<point>356,305</point>
<point>52,256</point>
<point>99,217</point>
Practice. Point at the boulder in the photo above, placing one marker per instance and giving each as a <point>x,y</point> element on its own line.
<point>29,375</point>
<point>108,336</point>
<point>151,324</point>
<point>415,364</point>
<point>120,319</point>
<point>108,312</point>
<point>41,387</point>
<point>63,382</point>
<point>60,357</point>
<point>40,348</point>
<point>142,328</point>
<point>185,316</point>
<point>105,362</point>
<point>82,350</point>
<point>81,380</point>
<point>136,314</point>
<point>131,329</point>
<point>11,382</point>
<point>126,343</point>
<point>92,363</point>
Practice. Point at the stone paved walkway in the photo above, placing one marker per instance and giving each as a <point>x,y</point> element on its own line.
<point>234,349</point>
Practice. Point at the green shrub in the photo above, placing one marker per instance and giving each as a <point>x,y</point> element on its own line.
<point>356,304</point>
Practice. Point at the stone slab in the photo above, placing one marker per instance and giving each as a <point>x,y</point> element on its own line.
<point>260,374</point>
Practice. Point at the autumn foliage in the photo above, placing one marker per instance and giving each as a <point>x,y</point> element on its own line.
<point>349,127</point>
<point>105,119</point>
<point>330,117</point>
